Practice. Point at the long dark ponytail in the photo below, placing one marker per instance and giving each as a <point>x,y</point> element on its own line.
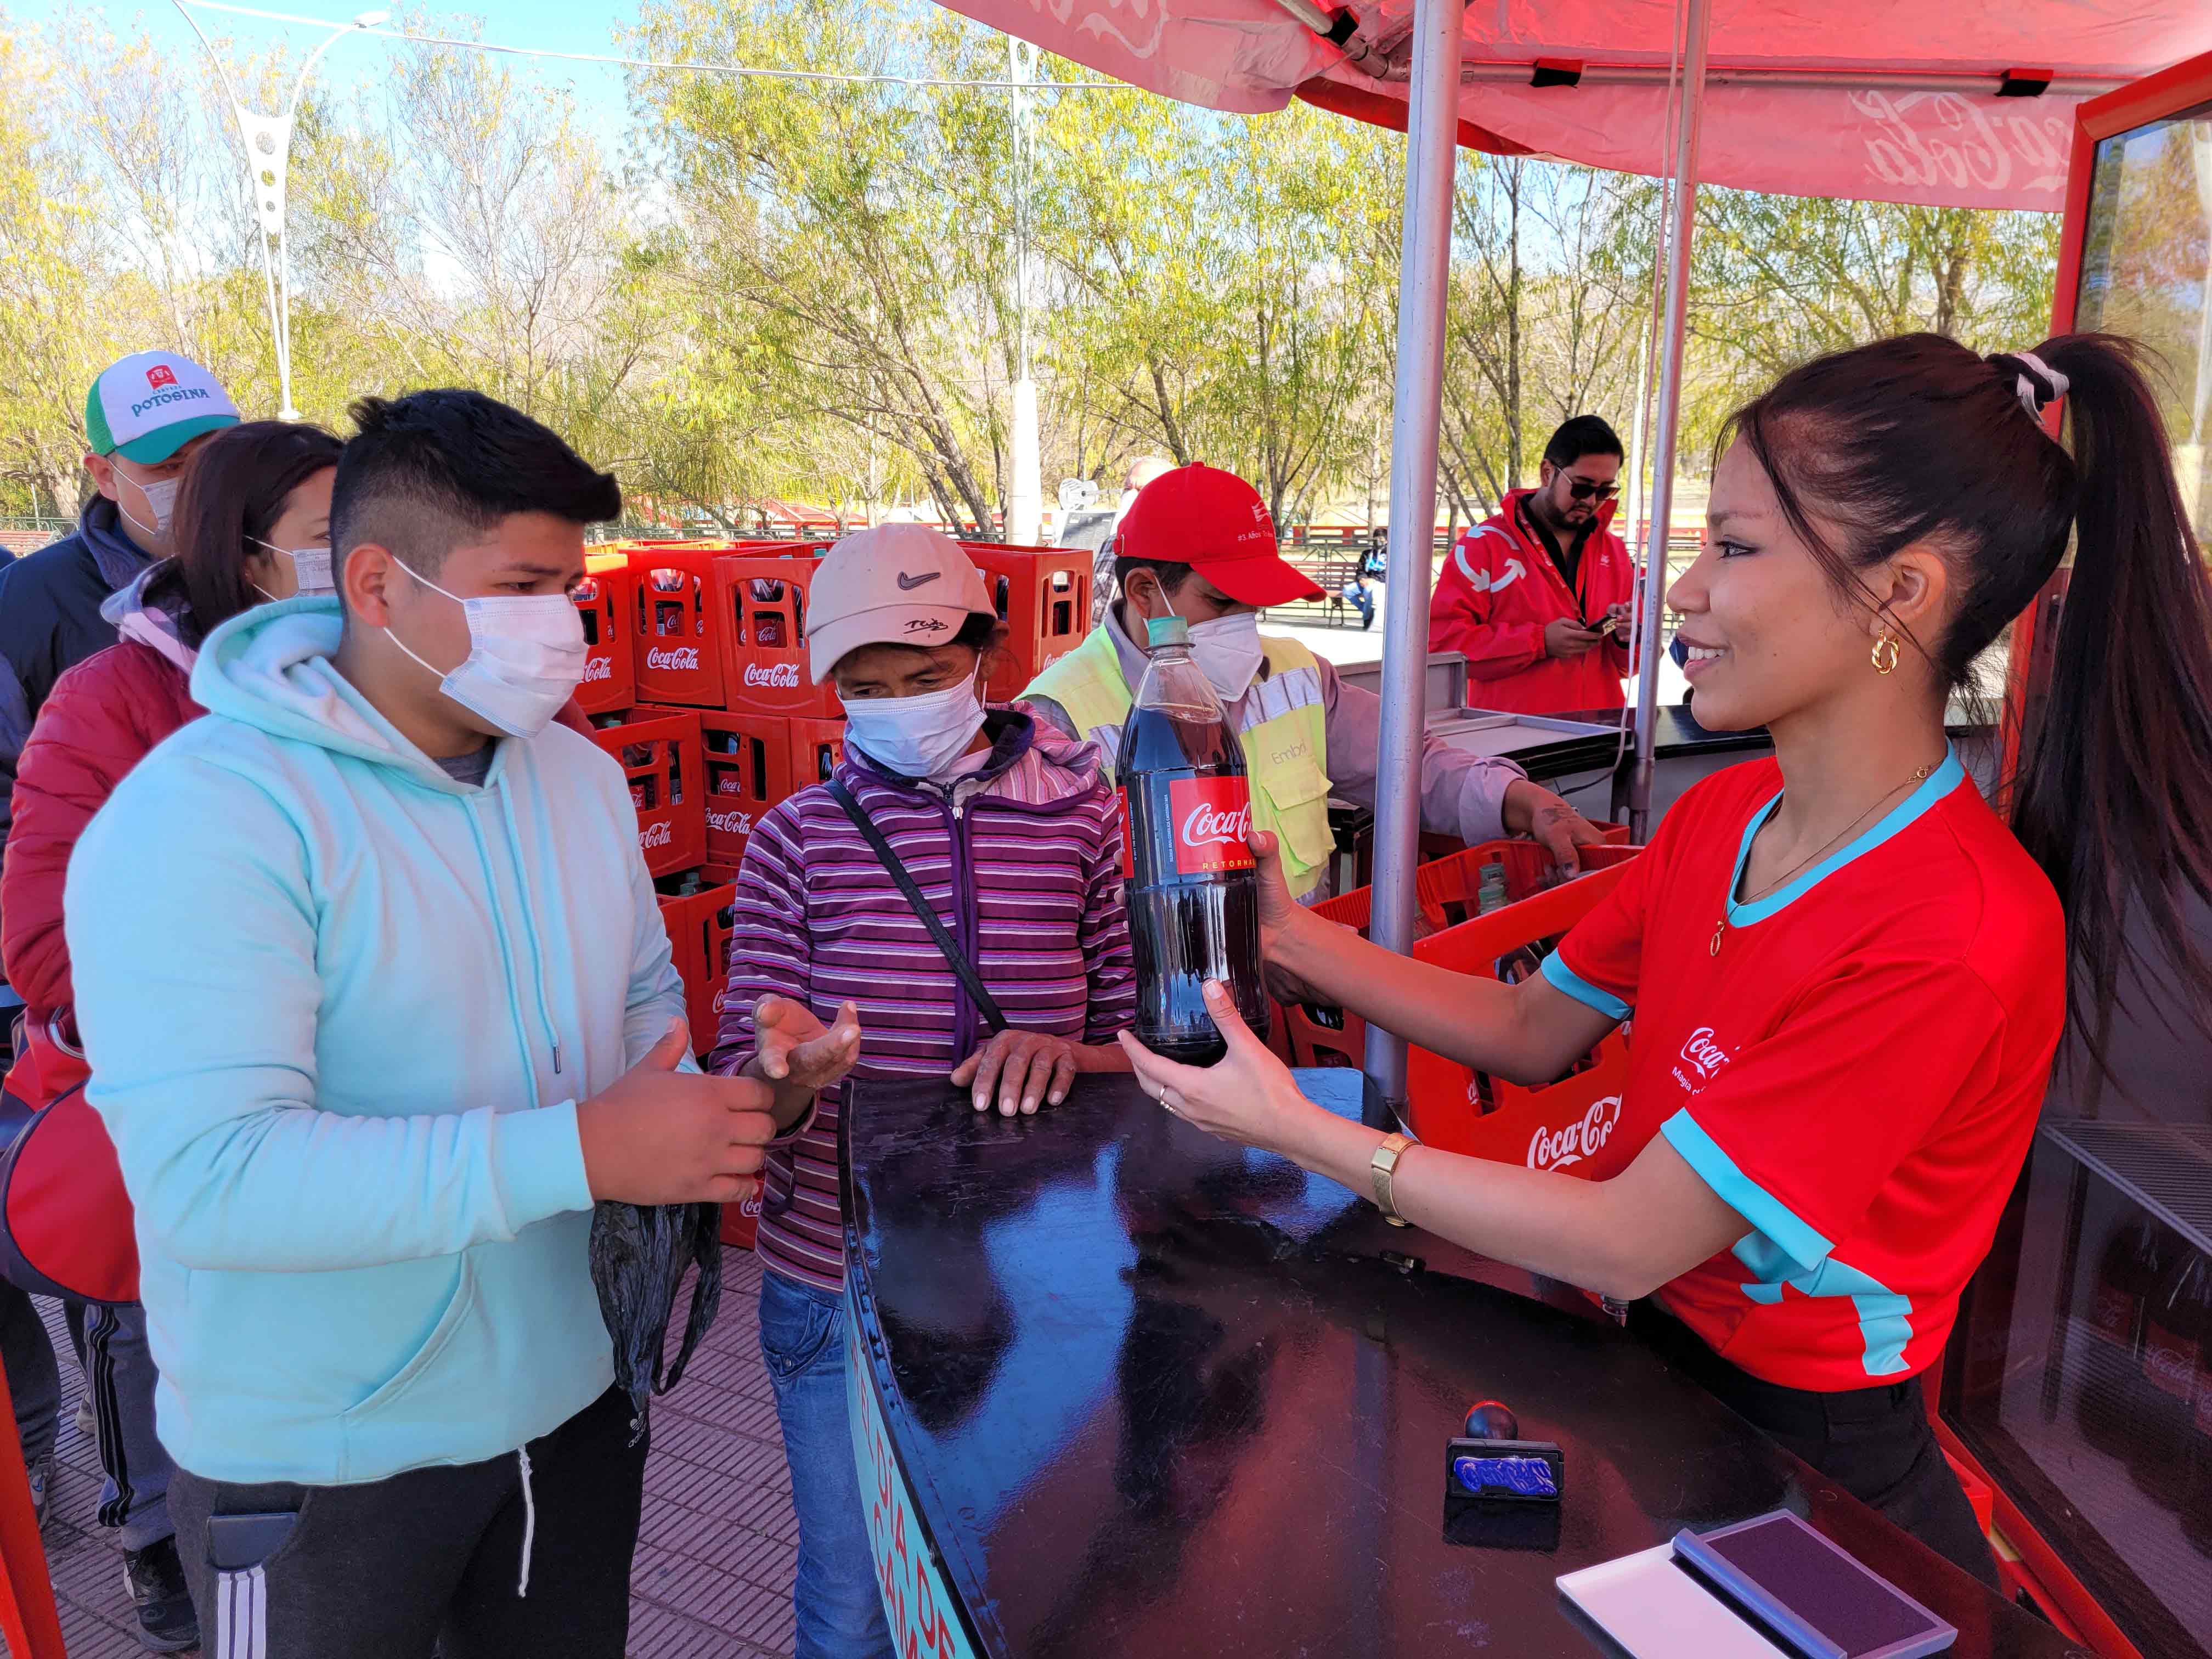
<point>1917,439</point>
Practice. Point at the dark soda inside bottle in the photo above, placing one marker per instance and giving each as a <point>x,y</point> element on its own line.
<point>2128,1272</point>
<point>2176,1322</point>
<point>1192,887</point>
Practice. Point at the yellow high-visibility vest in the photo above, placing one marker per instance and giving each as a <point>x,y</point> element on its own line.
<point>1285,738</point>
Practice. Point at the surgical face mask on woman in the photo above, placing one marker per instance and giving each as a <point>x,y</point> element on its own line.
<point>919,737</point>
<point>311,570</point>
<point>525,656</point>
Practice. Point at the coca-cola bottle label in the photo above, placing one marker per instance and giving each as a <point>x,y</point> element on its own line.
<point>2169,1360</point>
<point>1128,844</point>
<point>1212,819</point>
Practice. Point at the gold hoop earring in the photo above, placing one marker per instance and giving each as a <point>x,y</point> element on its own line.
<point>1884,654</point>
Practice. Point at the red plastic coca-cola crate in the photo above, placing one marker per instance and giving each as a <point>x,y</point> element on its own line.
<point>606,598</point>
<point>659,756</point>
<point>700,926</point>
<point>741,1220</point>
<point>1556,1126</point>
<point>749,770</point>
<point>1043,596</point>
<point>1445,893</point>
<point>760,599</point>
<point>679,638</point>
<point>817,746</point>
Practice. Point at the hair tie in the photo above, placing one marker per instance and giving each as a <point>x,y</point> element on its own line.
<point>2034,382</point>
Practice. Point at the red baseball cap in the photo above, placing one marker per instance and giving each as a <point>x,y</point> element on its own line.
<point>1213,521</point>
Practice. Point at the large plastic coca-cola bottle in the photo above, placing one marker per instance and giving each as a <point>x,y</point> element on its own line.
<point>2176,1322</point>
<point>1192,889</point>
<point>2133,1263</point>
<point>2196,1505</point>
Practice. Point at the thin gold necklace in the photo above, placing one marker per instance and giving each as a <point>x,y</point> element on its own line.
<point>1721,931</point>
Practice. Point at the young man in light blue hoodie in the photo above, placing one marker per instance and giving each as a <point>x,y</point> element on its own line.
<point>377,1001</point>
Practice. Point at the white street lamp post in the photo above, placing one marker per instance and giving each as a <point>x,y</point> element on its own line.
<point>268,141</point>
<point>1025,492</point>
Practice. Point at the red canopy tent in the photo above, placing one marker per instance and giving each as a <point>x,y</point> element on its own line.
<point>1880,99</point>
<point>1969,104</point>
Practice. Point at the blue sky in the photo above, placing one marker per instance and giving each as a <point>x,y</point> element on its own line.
<point>553,25</point>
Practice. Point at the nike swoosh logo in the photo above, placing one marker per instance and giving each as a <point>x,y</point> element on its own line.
<point>907,584</point>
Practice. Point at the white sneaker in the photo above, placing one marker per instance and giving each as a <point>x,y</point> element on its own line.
<point>42,1486</point>
<point>85,1424</point>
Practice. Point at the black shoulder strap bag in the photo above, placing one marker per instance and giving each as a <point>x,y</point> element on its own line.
<point>978,992</point>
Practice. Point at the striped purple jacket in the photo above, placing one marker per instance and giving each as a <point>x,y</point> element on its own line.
<point>1022,864</point>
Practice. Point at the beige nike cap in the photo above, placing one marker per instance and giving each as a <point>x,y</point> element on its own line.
<point>899,584</point>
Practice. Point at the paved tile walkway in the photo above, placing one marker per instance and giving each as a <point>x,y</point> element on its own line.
<point>714,1558</point>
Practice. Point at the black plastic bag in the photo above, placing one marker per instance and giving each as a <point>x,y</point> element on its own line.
<point>639,1256</point>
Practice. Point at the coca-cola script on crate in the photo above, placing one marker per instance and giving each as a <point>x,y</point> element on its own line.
<point>659,753</point>
<point>749,770</point>
<point>677,636</point>
<point>760,599</point>
<point>605,598</point>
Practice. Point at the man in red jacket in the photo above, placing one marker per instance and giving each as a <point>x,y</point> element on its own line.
<point>1539,597</point>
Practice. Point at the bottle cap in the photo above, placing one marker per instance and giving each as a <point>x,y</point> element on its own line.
<point>1166,630</point>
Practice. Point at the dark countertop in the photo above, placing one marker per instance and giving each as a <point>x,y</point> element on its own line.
<point>1155,1395</point>
<point>1675,734</point>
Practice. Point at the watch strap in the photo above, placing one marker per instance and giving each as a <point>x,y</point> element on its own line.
<point>1381,1168</point>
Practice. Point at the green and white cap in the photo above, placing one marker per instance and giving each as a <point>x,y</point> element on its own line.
<point>150,404</point>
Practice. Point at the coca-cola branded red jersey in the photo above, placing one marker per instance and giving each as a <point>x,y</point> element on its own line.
<point>1856,1069</point>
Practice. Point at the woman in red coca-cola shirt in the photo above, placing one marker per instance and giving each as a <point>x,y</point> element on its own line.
<point>1847,975</point>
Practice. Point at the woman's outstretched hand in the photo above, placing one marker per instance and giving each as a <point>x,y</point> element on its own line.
<point>1248,1097</point>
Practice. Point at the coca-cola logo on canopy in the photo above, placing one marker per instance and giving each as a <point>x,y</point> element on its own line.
<point>684,656</point>
<point>1212,819</point>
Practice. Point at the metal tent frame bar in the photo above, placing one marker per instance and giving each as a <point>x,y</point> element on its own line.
<point>1433,139</point>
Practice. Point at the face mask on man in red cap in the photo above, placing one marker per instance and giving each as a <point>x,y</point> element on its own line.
<point>1215,524</point>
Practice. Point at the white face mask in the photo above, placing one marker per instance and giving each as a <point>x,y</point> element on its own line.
<point>311,569</point>
<point>1228,651</point>
<point>525,656</point>
<point>917,737</point>
<point>160,498</point>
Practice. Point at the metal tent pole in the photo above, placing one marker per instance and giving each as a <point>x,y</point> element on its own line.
<point>1670,410</point>
<point>1423,274</point>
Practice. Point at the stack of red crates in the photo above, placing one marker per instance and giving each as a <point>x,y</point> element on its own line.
<point>698,679</point>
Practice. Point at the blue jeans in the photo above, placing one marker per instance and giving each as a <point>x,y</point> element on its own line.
<point>841,1612</point>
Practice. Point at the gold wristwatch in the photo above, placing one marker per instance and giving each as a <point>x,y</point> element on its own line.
<point>1382,1166</point>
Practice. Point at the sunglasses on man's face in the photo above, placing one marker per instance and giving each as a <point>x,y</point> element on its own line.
<point>1583,489</point>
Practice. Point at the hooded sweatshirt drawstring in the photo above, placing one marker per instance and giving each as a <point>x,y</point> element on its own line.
<point>529,926</point>
<point>528,1522</point>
